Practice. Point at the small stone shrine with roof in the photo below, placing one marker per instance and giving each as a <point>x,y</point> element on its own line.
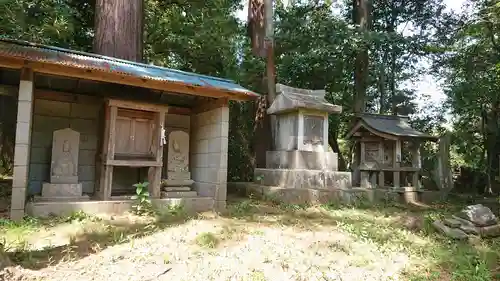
<point>302,158</point>
<point>387,151</point>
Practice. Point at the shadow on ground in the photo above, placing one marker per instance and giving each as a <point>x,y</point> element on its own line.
<point>101,235</point>
<point>391,228</point>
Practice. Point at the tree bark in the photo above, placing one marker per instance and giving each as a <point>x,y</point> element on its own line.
<point>361,15</point>
<point>119,29</point>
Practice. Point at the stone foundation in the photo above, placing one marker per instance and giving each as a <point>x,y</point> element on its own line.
<point>323,196</point>
<point>113,207</point>
<point>295,159</point>
<point>312,179</point>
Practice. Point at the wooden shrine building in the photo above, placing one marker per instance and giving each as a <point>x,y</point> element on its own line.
<point>386,152</point>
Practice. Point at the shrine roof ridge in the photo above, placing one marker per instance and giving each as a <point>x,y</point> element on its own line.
<point>384,125</point>
<point>293,99</point>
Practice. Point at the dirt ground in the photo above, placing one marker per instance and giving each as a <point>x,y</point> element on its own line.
<point>254,241</point>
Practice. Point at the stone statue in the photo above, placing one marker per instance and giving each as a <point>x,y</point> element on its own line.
<point>178,152</point>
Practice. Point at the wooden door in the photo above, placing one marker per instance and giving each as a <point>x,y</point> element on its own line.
<point>124,135</point>
<point>143,137</point>
<point>134,135</point>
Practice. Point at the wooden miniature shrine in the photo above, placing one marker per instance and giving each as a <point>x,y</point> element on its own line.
<point>133,137</point>
<point>387,151</point>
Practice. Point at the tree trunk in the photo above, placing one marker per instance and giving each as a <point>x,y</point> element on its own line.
<point>119,29</point>
<point>361,13</point>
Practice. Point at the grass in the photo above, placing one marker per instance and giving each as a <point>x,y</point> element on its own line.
<point>76,236</point>
<point>384,226</point>
<point>401,233</point>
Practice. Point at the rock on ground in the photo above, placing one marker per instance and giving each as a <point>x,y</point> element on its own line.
<point>454,233</point>
<point>479,215</point>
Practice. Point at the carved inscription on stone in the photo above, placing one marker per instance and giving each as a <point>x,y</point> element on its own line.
<point>64,164</point>
<point>178,152</point>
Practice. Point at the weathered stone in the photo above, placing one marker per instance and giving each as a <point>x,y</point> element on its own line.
<point>315,179</point>
<point>467,226</point>
<point>178,194</point>
<point>454,233</point>
<point>178,152</point>
<point>490,231</point>
<point>179,176</point>
<point>61,189</point>
<point>177,182</point>
<point>177,188</point>
<point>479,215</point>
<point>62,198</point>
<point>65,149</point>
<point>297,159</point>
<point>452,223</point>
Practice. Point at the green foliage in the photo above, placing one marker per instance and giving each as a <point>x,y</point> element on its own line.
<point>142,204</point>
<point>207,240</point>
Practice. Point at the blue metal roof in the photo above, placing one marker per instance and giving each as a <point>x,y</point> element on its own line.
<point>49,54</point>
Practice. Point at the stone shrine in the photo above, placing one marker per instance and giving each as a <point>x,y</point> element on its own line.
<point>302,158</point>
<point>64,183</point>
<point>178,180</point>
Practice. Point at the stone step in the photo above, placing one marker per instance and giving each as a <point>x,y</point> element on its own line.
<point>178,194</point>
<point>177,188</point>
<point>177,182</point>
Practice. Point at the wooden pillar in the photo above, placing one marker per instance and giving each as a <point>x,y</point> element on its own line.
<point>416,163</point>
<point>22,144</point>
<point>106,181</point>
<point>396,163</point>
<point>381,175</point>
<point>154,173</point>
<point>365,175</point>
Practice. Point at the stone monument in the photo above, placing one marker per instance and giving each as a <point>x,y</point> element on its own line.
<point>178,182</point>
<point>64,183</point>
<point>302,157</point>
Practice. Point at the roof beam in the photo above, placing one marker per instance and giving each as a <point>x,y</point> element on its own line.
<point>118,78</point>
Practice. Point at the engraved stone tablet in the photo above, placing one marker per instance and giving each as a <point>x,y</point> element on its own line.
<point>64,165</point>
<point>178,152</point>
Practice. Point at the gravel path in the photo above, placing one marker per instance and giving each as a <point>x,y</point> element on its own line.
<point>246,251</point>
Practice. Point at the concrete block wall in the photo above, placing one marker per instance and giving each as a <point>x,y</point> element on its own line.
<point>50,113</point>
<point>209,150</point>
<point>22,145</point>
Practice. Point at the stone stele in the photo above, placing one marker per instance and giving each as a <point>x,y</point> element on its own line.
<point>178,155</point>
<point>64,165</point>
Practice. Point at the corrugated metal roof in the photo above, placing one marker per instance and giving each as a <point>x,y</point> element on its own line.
<point>392,125</point>
<point>42,53</point>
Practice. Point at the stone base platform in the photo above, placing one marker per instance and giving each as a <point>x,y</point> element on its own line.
<point>178,194</point>
<point>62,198</point>
<point>297,159</point>
<point>61,189</point>
<point>302,178</point>
<point>113,207</point>
<point>322,196</point>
